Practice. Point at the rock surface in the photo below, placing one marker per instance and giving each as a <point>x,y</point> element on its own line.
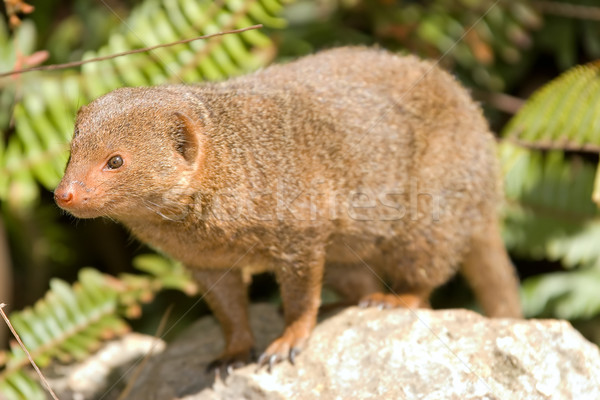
<point>388,354</point>
<point>99,376</point>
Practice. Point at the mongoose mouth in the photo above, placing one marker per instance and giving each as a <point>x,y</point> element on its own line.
<point>75,200</point>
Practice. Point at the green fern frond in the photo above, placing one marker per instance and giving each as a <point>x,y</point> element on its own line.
<point>549,207</point>
<point>44,116</point>
<point>63,319</point>
<point>72,321</point>
<point>550,216</point>
<point>170,274</point>
<point>550,195</point>
<point>20,386</point>
<point>564,114</point>
<point>551,212</point>
<point>549,182</point>
<point>68,323</point>
<point>569,295</point>
<point>162,273</point>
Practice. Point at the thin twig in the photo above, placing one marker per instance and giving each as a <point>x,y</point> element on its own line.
<point>16,335</point>
<point>96,59</point>
<point>500,101</point>
<point>562,145</point>
<point>578,11</point>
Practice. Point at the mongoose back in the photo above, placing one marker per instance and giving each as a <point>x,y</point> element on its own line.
<point>353,158</point>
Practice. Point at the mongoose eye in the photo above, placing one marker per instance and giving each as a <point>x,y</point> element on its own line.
<point>115,162</point>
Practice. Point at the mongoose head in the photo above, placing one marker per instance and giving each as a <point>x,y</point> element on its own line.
<point>134,154</point>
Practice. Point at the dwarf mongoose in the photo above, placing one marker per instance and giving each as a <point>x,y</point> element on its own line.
<point>350,158</point>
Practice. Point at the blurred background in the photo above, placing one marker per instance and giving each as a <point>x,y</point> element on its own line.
<point>532,65</point>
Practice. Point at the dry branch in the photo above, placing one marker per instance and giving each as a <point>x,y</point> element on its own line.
<point>96,59</point>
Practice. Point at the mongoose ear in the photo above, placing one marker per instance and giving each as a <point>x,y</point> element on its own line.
<point>186,137</point>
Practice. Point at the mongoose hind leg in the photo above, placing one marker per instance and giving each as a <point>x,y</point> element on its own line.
<point>410,299</point>
<point>490,273</point>
<point>352,282</point>
<point>300,281</point>
<point>225,293</point>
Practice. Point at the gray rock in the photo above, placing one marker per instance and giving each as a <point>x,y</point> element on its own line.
<point>101,374</point>
<point>388,354</point>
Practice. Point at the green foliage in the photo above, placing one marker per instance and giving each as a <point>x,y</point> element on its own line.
<point>23,42</point>
<point>548,152</point>
<point>566,38</point>
<point>550,211</point>
<point>169,275</point>
<point>68,323</point>
<point>564,114</point>
<point>71,321</point>
<point>484,41</point>
<point>43,115</point>
<point>484,38</point>
<point>563,295</point>
<point>549,203</point>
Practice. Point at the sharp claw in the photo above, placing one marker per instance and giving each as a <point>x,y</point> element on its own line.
<point>261,360</point>
<point>220,369</point>
<point>272,361</point>
<point>293,353</point>
<point>225,365</point>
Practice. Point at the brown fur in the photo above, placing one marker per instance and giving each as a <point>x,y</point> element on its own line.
<point>266,172</point>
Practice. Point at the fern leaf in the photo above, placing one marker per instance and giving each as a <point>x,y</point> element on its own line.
<point>563,295</point>
<point>551,212</point>
<point>71,321</point>
<point>564,114</point>
<point>170,274</point>
<point>60,323</point>
<point>548,183</point>
<point>68,323</point>
<point>19,386</point>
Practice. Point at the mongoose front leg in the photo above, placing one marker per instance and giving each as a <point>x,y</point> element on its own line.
<point>300,285</point>
<point>225,293</point>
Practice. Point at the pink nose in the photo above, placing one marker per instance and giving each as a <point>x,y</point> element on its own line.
<point>63,195</point>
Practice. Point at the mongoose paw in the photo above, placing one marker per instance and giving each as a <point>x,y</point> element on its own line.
<point>227,362</point>
<point>388,300</point>
<point>287,347</point>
